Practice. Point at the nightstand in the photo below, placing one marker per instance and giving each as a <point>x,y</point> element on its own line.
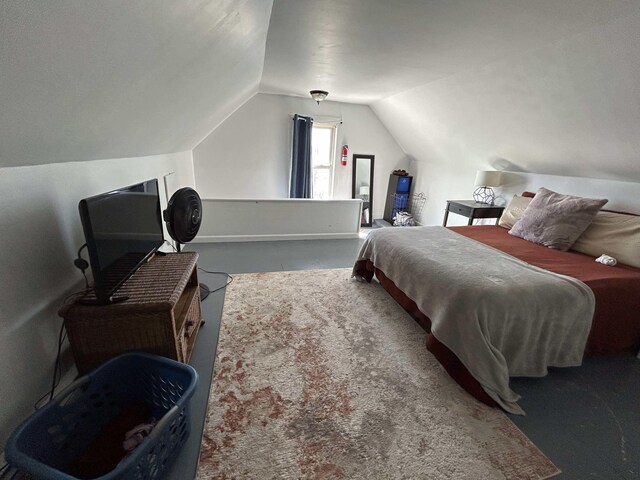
<point>472,209</point>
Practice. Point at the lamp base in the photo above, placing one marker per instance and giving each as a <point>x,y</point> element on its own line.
<point>484,195</point>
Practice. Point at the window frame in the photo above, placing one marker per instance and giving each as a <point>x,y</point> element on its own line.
<point>332,154</point>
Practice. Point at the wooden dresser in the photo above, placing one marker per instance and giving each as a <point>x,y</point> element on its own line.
<point>161,316</point>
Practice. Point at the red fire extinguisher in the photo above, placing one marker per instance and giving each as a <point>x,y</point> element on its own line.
<point>345,154</point>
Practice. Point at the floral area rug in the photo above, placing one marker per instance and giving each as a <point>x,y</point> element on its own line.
<point>320,376</point>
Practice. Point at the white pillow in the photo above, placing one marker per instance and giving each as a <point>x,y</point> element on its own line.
<point>514,210</point>
<point>614,234</point>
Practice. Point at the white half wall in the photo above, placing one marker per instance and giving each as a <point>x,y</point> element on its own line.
<point>246,220</point>
<point>41,234</point>
<point>249,154</point>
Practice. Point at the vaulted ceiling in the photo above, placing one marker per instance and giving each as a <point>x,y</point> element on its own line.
<point>365,50</point>
<point>124,78</point>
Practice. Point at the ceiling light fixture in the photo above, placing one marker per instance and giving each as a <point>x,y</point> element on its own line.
<point>318,95</point>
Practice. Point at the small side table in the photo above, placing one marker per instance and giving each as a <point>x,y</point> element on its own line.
<point>471,209</point>
<point>161,316</point>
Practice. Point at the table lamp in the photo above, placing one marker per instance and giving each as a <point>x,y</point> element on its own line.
<point>485,179</point>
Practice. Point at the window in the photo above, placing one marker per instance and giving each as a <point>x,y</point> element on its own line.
<point>322,154</point>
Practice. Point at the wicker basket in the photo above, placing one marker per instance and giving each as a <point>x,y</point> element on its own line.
<point>161,316</point>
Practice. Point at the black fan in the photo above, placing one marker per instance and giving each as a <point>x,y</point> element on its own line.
<point>183,216</point>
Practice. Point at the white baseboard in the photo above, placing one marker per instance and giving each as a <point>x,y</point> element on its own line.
<point>273,237</point>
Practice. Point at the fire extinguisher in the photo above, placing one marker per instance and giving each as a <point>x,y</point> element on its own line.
<point>345,154</point>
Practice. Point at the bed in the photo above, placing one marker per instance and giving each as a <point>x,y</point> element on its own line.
<point>611,325</point>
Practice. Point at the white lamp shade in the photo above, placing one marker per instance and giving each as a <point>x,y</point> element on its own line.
<point>364,190</point>
<point>488,178</point>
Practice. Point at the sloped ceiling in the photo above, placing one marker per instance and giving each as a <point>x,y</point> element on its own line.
<point>569,108</point>
<point>364,50</point>
<point>545,86</point>
<point>84,80</point>
<point>540,86</point>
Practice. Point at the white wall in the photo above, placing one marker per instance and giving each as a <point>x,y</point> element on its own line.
<point>456,185</point>
<point>622,196</point>
<point>249,155</point>
<point>41,233</point>
<point>570,109</point>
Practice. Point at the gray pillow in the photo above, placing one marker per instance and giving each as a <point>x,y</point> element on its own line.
<point>556,220</point>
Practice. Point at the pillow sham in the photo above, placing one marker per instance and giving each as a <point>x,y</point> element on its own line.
<point>556,220</point>
<point>514,211</point>
<point>614,234</point>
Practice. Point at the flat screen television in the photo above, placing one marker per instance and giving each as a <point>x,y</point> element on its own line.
<point>122,228</point>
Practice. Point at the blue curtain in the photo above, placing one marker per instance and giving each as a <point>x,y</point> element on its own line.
<point>301,180</point>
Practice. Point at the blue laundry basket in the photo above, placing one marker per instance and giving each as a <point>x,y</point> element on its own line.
<point>52,438</point>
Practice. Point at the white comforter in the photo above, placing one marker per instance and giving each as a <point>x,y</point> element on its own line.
<point>501,316</point>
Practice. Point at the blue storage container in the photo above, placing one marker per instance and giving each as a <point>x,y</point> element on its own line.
<point>57,434</point>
